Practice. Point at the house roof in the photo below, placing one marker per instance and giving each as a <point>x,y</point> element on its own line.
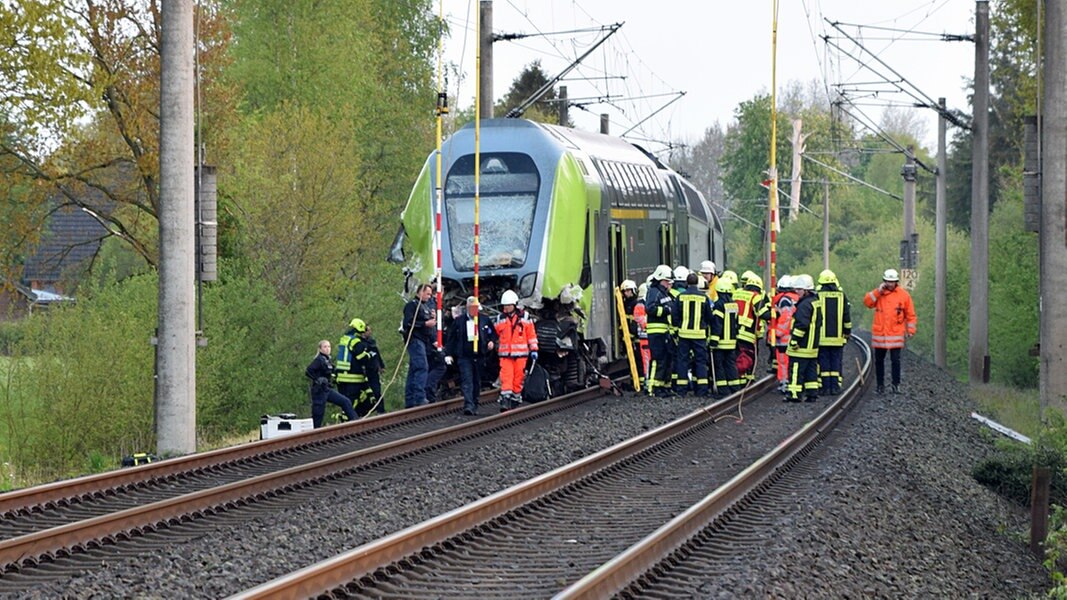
<point>72,237</point>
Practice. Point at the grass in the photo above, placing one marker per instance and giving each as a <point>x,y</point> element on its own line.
<point>1019,409</point>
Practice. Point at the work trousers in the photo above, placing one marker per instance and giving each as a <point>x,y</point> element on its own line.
<point>320,395</point>
<point>803,378</point>
<point>692,355</point>
<point>659,351</point>
<point>879,365</point>
<point>830,362</point>
<point>374,379</point>
<point>726,378</point>
<point>470,381</point>
<point>512,374</point>
<point>783,363</point>
<point>418,369</point>
<point>436,367</point>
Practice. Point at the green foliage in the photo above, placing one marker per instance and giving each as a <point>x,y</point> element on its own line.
<point>531,79</point>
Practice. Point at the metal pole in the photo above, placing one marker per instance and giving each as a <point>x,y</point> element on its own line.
<point>909,172</point>
<point>978,347</point>
<point>175,351</point>
<point>1052,274</point>
<point>485,48</point>
<point>605,123</point>
<point>826,224</point>
<point>564,107</point>
<point>941,247</point>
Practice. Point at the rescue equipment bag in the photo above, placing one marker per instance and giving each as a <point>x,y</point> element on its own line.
<point>536,387</point>
<point>745,360</point>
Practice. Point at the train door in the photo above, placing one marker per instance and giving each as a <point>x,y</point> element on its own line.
<point>666,244</point>
<point>618,274</point>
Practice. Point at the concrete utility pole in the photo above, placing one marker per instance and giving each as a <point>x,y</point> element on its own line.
<point>564,106</point>
<point>978,353</point>
<point>909,171</point>
<point>485,41</point>
<point>1053,256</point>
<point>605,123</point>
<point>940,247</point>
<point>798,151</point>
<point>176,345</point>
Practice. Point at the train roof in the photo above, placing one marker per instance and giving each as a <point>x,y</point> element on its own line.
<point>595,145</point>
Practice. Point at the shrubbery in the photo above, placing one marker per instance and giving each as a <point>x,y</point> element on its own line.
<point>79,383</point>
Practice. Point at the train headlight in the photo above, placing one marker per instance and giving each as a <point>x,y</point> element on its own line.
<point>526,285</point>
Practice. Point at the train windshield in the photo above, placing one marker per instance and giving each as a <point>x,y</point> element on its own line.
<point>509,184</point>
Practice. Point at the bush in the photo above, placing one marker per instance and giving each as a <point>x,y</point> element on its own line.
<point>11,334</point>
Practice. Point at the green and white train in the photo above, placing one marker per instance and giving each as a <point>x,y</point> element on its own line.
<point>561,210</point>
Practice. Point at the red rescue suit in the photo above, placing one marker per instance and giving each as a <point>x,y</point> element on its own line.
<point>518,339</point>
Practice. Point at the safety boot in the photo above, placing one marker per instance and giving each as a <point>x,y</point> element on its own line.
<point>880,390</point>
<point>895,388</point>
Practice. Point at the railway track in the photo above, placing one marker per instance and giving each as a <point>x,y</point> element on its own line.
<point>592,528</point>
<point>70,524</point>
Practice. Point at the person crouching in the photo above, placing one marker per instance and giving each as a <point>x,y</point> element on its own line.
<point>321,374</point>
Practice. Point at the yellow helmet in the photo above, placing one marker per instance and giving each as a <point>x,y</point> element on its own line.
<point>826,277</point>
<point>724,285</point>
<point>729,275</point>
<point>359,325</point>
<point>755,280</point>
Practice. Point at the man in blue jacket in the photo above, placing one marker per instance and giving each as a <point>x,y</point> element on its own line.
<point>459,349</point>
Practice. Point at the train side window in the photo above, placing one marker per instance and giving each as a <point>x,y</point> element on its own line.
<point>641,236</point>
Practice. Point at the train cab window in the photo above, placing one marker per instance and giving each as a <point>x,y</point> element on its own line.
<point>508,188</point>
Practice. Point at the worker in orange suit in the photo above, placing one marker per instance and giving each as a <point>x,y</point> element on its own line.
<point>894,322</point>
<point>516,345</point>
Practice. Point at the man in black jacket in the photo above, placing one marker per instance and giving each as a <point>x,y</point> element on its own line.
<point>459,349</point>
<point>418,330</point>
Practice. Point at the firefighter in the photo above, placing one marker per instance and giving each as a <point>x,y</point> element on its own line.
<point>752,314</point>
<point>354,363</point>
<point>707,271</point>
<point>894,322</point>
<point>803,349</point>
<point>785,304</point>
<point>836,329</point>
<point>658,303</point>
<point>321,373</point>
<point>691,315</point>
<point>517,343</point>
<point>723,339</point>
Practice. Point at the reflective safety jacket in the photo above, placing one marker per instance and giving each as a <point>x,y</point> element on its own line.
<point>658,303</point>
<point>724,323</point>
<point>752,311</point>
<point>785,304</point>
<point>692,314</point>
<point>352,356</point>
<point>516,334</point>
<point>641,319</point>
<point>712,294</point>
<point>804,337</point>
<point>894,316</point>
<point>836,316</point>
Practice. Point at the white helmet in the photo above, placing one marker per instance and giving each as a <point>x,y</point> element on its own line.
<point>804,282</point>
<point>785,282</point>
<point>628,284</point>
<point>707,267</point>
<point>509,297</point>
<point>662,272</point>
<point>680,273</point>
<point>642,290</point>
<point>891,275</point>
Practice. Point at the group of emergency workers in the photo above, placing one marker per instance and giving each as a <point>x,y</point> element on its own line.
<point>698,332</point>
<point>695,332</point>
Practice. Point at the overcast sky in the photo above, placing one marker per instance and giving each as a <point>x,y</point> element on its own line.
<point>719,53</point>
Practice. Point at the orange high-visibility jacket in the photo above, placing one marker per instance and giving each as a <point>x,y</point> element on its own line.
<point>894,316</point>
<point>517,335</point>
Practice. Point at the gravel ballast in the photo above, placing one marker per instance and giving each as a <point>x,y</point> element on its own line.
<point>894,512</point>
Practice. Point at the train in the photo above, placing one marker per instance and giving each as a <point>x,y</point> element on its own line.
<point>565,216</point>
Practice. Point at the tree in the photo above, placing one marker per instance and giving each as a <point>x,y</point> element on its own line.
<point>82,90</point>
<point>700,162</point>
<point>531,79</point>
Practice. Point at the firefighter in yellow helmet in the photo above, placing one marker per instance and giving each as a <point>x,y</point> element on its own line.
<point>836,329</point>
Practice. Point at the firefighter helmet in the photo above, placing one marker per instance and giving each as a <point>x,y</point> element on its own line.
<point>662,272</point>
<point>827,276</point>
<point>707,267</point>
<point>724,285</point>
<point>804,282</point>
<point>628,284</point>
<point>359,325</point>
<point>509,297</point>
<point>680,273</point>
